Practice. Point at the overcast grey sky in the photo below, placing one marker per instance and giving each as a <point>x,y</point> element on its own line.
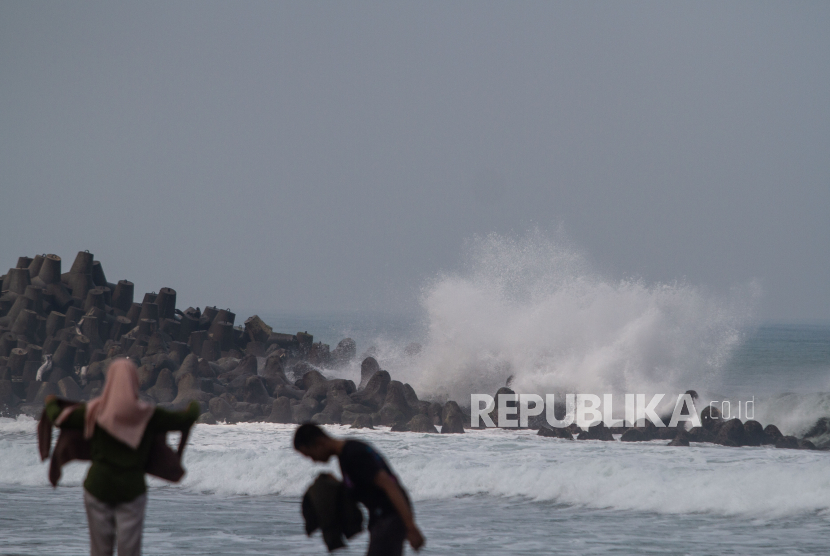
<point>334,155</point>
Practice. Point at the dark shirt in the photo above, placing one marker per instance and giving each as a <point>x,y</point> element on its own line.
<point>117,471</point>
<point>360,464</point>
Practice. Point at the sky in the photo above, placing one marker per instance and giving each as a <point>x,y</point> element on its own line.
<point>331,157</point>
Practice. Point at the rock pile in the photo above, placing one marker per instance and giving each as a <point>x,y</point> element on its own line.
<point>713,429</point>
<point>60,331</point>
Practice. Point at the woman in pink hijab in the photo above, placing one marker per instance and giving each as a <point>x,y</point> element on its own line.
<point>120,428</point>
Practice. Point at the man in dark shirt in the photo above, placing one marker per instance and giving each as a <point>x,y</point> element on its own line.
<point>372,482</point>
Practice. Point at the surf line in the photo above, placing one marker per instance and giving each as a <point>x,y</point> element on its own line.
<point>515,410</point>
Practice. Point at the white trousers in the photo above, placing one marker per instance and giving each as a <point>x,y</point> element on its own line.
<point>109,523</point>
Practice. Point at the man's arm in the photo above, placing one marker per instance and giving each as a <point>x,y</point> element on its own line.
<point>385,482</point>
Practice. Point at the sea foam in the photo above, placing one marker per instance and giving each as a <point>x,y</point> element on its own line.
<point>257,459</point>
<point>532,308</point>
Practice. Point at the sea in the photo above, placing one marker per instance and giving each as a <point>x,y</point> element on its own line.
<point>484,492</point>
<point>535,316</point>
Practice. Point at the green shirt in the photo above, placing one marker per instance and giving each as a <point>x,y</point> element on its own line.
<point>117,471</point>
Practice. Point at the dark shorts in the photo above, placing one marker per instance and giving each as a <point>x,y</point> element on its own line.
<point>386,537</point>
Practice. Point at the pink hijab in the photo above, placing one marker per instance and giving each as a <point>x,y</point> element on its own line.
<point>118,410</point>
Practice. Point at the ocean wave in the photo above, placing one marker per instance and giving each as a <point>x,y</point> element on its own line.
<point>257,459</point>
<point>532,308</point>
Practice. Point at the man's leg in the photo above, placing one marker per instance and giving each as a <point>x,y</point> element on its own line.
<point>386,537</point>
<point>129,520</point>
<point>101,519</point>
